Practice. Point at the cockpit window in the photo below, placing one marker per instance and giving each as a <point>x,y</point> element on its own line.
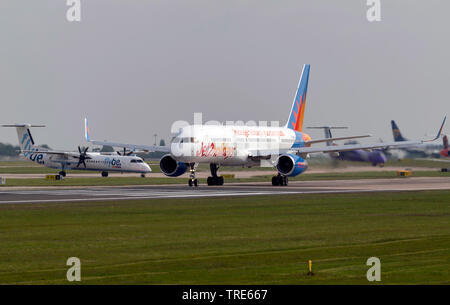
<point>188,140</point>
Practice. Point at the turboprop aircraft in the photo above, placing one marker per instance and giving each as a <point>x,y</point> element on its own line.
<point>285,148</point>
<point>81,160</point>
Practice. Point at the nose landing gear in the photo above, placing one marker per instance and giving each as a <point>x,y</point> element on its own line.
<point>214,179</point>
<point>192,180</point>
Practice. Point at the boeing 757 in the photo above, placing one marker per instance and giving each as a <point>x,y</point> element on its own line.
<point>285,148</point>
<point>81,160</point>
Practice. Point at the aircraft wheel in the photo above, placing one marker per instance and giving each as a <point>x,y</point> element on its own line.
<point>104,174</point>
<point>209,181</point>
<point>62,173</point>
<point>195,182</point>
<point>142,175</point>
<point>190,182</point>
<point>220,180</point>
<point>275,181</point>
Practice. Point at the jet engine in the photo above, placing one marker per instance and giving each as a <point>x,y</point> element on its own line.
<point>171,167</point>
<point>291,165</point>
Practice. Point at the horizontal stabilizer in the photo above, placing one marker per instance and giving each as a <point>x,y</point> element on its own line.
<point>22,125</point>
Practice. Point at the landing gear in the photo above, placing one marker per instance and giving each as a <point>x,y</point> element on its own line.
<point>142,175</point>
<point>279,180</point>
<point>104,174</point>
<point>62,173</point>
<point>214,179</point>
<point>192,180</point>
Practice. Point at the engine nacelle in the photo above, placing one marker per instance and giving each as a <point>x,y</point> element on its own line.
<point>171,167</point>
<point>291,165</point>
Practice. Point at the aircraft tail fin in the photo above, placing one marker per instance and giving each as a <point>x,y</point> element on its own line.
<point>87,135</point>
<point>26,140</point>
<point>295,120</point>
<point>396,133</point>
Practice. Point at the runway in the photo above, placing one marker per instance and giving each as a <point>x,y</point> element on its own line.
<point>109,193</point>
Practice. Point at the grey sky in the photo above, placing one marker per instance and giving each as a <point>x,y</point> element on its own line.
<point>133,67</point>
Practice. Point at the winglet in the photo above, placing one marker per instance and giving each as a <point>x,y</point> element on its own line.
<point>86,130</point>
<point>440,131</point>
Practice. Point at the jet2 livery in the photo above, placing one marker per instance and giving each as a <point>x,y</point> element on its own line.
<point>234,145</point>
<point>81,160</point>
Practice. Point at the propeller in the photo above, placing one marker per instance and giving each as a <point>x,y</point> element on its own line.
<point>125,153</point>
<point>83,156</point>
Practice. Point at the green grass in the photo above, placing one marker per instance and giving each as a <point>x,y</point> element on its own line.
<point>240,240</point>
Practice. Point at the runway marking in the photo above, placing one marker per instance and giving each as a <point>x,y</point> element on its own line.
<point>99,193</point>
<point>183,195</point>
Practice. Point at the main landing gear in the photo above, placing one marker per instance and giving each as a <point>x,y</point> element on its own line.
<point>280,180</point>
<point>214,179</point>
<point>104,174</point>
<point>192,180</point>
<point>62,173</point>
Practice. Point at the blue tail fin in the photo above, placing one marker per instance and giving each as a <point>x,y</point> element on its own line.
<point>396,132</point>
<point>295,120</point>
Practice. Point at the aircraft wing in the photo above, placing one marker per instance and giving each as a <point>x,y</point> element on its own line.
<point>50,152</point>
<point>132,147</point>
<point>336,148</point>
<point>336,139</point>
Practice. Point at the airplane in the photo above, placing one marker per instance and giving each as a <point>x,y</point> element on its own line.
<point>375,157</point>
<point>81,160</point>
<point>284,148</point>
<point>421,151</point>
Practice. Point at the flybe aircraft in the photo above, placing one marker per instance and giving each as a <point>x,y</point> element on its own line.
<point>81,160</point>
<point>285,148</point>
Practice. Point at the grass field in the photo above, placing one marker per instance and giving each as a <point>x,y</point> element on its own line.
<point>245,240</point>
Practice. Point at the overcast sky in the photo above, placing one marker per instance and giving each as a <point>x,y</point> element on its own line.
<point>134,67</point>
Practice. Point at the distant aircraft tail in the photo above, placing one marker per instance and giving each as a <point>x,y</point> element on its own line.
<point>295,120</point>
<point>26,141</point>
<point>396,133</point>
<point>445,140</point>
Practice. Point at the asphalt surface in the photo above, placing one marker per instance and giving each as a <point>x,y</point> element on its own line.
<point>80,194</point>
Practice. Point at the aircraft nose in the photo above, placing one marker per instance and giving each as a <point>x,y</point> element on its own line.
<point>147,168</point>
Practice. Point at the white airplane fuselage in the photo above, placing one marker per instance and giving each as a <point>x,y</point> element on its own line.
<point>97,162</point>
<point>231,145</point>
